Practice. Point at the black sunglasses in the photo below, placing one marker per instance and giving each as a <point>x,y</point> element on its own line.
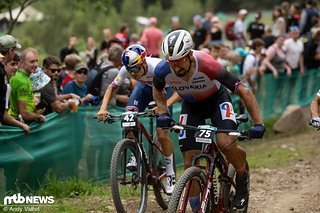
<point>85,72</point>
<point>55,70</point>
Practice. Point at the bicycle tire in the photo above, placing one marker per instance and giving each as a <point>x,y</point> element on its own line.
<point>139,187</point>
<point>159,165</point>
<point>191,174</point>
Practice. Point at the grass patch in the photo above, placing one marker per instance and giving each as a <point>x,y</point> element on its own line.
<point>75,195</point>
<point>70,187</point>
<point>268,123</point>
<point>268,153</point>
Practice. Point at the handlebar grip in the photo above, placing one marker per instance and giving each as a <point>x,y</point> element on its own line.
<point>244,135</point>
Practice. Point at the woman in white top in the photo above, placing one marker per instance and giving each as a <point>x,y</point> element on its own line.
<point>279,23</point>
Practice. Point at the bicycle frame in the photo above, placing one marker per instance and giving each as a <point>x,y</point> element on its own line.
<point>214,159</point>
<point>143,133</point>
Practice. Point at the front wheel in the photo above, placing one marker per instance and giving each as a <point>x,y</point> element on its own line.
<point>191,184</point>
<point>128,188</point>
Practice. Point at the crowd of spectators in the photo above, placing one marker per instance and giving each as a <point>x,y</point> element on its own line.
<point>82,77</point>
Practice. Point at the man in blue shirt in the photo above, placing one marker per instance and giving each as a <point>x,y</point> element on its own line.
<point>78,86</point>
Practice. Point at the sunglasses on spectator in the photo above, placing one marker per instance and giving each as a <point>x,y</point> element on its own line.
<point>55,70</point>
<point>85,72</point>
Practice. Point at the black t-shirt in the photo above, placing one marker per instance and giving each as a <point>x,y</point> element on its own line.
<point>256,30</point>
<point>66,51</point>
<point>3,91</point>
<point>199,37</point>
<point>104,45</point>
<point>216,36</point>
<point>48,96</point>
<point>268,40</point>
<point>310,50</point>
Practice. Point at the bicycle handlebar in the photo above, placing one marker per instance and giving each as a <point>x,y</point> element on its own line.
<point>243,134</point>
<point>110,118</point>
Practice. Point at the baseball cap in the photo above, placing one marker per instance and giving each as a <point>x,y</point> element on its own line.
<point>8,41</point>
<point>81,66</point>
<point>257,14</point>
<point>243,12</point>
<point>293,28</point>
<point>196,17</point>
<point>175,18</point>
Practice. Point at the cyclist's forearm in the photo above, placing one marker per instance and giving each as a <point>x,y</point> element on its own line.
<point>107,97</point>
<point>160,99</point>
<point>250,102</point>
<point>173,99</point>
<point>314,107</point>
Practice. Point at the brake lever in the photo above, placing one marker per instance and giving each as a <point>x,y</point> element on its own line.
<point>244,136</point>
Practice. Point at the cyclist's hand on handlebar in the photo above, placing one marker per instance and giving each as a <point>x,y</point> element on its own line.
<point>101,115</point>
<point>154,110</point>
<point>315,122</point>
<point>256,131</point>
<point>164,121</point>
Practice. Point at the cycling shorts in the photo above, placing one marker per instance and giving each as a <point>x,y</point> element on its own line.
<point>217,108</point>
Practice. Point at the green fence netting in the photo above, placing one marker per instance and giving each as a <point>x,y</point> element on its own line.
<point>68,144</point>
<point>75,144</point>
<point>274,96</point>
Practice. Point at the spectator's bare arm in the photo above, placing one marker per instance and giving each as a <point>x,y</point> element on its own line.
<point>13,122</point>
<point>27,115</point>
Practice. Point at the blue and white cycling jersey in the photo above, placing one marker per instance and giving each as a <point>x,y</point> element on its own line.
<point>142,92</point>
<point>147,78</point>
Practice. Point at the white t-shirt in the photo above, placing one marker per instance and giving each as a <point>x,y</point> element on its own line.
<point>293,50</point>
<point>239,27</point>
<point>250,61</point>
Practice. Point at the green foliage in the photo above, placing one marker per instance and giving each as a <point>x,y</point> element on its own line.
<point>165,4</point>
<point>84,18</point>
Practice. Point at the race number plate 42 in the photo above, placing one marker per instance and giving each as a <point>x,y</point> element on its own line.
<point>204,136</point>
<point>129,120</point>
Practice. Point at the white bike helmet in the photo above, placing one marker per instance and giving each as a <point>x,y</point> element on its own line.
<point>177,44</point>
<point>134,56</point>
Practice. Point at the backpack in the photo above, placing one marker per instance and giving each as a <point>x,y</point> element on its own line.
<point>230,31</point>
<point>96,83</point>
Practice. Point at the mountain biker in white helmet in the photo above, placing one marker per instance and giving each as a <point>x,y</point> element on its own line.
<point>202,84</point>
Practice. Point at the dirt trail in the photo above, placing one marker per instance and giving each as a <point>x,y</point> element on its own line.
<point>295,188</point>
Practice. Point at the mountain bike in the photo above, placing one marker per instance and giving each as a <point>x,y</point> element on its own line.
<point>129,184</point>
<point>210,173</point>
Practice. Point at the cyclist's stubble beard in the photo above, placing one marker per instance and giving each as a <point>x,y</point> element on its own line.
<point>181,72</point>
